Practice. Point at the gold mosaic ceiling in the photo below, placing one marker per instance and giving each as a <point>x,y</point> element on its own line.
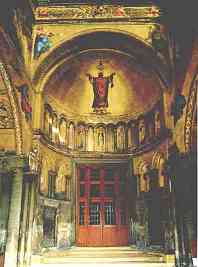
<point>135,91</point>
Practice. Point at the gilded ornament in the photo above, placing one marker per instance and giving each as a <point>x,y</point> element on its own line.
<point>6,119</point>
<point>109,12</point>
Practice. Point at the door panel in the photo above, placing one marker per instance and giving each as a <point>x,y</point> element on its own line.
<point>102,212</point>
<point>110,235</point>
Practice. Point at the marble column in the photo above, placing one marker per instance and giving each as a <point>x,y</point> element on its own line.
<point>23,225</point>
<point>30,224</point>
<point>11,252</point>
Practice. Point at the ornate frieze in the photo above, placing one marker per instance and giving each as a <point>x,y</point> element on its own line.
<point>96,12</point>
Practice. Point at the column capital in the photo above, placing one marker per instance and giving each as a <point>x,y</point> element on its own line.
<point>9,162</point>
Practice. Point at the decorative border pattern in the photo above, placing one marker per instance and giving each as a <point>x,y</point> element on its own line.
<point>18,130</point>
<point>191,107</point>
<point>95,12</point>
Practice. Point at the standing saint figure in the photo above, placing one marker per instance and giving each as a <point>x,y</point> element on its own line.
<point>142,131</point>
<point>100,89</point>
<point>25,101</point>
<point>34,159</point>
<point>100,139</point>
<point>157,123</point>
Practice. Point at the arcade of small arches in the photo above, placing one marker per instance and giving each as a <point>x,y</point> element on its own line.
<point>124,136</point>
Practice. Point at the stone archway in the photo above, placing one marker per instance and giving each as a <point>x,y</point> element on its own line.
<point>101,39</point>
<point>15,112</point>
<point>116,41</point>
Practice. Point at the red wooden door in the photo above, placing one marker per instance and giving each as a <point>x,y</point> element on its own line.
<point>102,210</point>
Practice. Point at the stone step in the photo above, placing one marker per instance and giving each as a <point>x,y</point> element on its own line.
<point>106,253</point>
<point>103,248</point>
<point>110,264</point>
<point>102,255</point>
<point>98,262</point>
<point>101,260</point>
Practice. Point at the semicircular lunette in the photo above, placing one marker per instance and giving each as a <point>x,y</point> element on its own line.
<point>135,88</point>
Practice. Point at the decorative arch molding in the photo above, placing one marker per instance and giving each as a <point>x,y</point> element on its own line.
<point>14,107</point>
<point>158,163</point>
<point>84,32</point>
<point>143,167</point>
<point>126,43</point>
<point>191,110</point>
<point>157,160</point>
